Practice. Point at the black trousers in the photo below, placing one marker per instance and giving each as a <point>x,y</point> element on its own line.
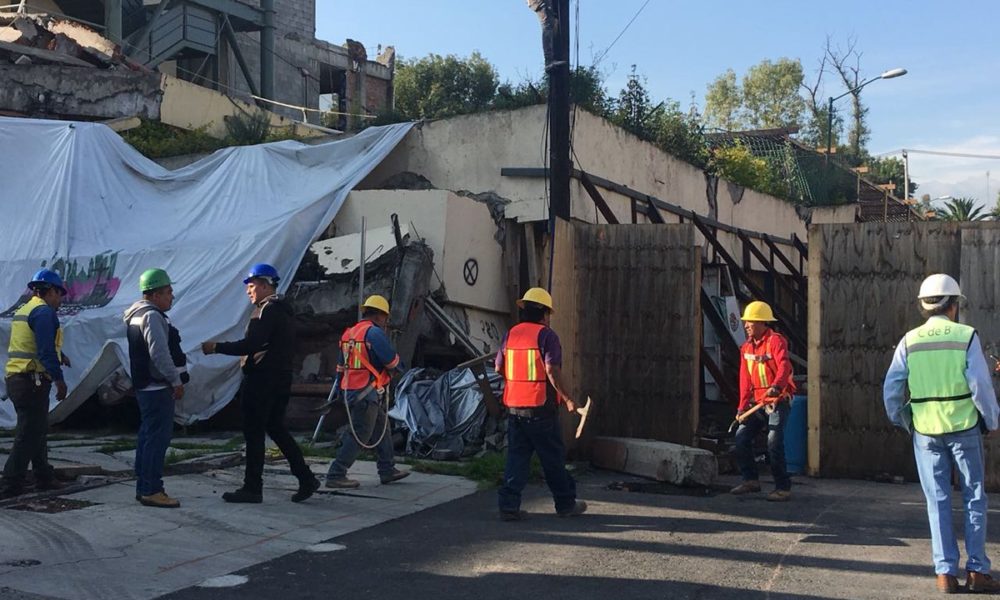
<point>264,399</point>
<point>31,402</point>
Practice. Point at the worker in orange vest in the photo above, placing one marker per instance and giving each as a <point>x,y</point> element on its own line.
<point>367,357</point>
<point>765,378</point>
<point>530,361</point>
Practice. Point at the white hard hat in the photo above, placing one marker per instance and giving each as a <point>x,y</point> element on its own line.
<point>938,286</point>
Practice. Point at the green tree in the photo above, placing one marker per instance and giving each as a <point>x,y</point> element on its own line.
<point>771,94</point>
<point>633,110</point>
<point>680,133</point>
<point>889,170</point>
<point>962,209</point>
<point>440,86</point>
<point>723,103</point>
<point>768,97</point>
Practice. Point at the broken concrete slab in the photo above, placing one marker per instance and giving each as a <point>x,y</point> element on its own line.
<point>44,55</point>
<point>662,461</point>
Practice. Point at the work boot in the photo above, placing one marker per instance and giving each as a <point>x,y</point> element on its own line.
<point>342,483</point>
<point>396,475</point>
<point>947,584</point>
<point>979,583</point>
<point>159,500</point>
<point>578,509</point>
<point>779,496</point>
<point>243,496</point>
<point>306,489</point>
<point>513,515</point>
<point>46,485</point>
<point>747,487</point>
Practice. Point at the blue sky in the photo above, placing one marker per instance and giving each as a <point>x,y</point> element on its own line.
<point>947,102</point>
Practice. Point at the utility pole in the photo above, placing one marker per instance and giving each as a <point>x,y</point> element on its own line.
<point>554,17</point>
<point>558,71</point>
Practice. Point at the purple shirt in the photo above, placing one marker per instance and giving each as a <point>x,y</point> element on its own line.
<point>548,343</point>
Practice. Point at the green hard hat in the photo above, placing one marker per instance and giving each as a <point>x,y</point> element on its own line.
<point>152,279</point>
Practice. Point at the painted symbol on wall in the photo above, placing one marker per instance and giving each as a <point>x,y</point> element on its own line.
<point>471,271</point>
<point>90,283</point>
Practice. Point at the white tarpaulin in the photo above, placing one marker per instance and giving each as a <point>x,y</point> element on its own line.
<point>76,198</point>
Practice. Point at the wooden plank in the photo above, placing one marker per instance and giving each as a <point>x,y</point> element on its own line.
<point>565,322</point>
<point>794,270</point>
<point>766,262</point>
<point>123,123</point>
<point>721,330</point>
<point>598,199</point>
<point>814,392</point>
<point>531,249</point>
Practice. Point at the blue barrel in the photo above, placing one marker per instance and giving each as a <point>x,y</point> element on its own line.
<point>796,434</point>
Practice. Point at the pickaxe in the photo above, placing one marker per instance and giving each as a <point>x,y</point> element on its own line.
<point>744,416</point>
<point>583,411</point>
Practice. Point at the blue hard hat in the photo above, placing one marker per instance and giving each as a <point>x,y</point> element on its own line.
<point>47,278</point>
<point>264,271</point>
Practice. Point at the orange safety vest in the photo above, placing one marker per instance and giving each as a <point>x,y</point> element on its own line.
<point>763,369</point>
<point>523,367</point>
<point>358,368</point>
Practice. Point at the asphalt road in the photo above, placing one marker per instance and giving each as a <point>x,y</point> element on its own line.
<point>836,539</point>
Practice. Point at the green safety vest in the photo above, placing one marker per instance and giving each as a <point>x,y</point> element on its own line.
<point>940,397</point>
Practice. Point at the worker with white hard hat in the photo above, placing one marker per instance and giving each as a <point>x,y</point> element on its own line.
<point>951,403</point>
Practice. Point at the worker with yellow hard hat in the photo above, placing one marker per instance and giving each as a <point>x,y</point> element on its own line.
<point>530,361</point>
<point>765,379</point>
<point>366,359</point>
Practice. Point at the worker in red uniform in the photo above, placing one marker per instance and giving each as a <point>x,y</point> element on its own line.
<point>765,378</point>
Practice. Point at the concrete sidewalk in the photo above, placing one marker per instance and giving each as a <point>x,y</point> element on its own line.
<point>117,548</point>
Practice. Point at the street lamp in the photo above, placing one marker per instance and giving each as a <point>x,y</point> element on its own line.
<point>829,111</point>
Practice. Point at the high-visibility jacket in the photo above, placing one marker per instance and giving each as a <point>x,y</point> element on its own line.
<point>765,364</point>
<point>526,383</point>
<point>22,352</point>
<point>358,368</point>
<point>936,359</point>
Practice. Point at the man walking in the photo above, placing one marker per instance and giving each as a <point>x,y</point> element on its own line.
<point>34,358</point>
<point>267,350</point>
<point>942,366</point>
<point>157,366</point>
<point>366,357</point>
<point>765,379</point>
<point>530,361</point>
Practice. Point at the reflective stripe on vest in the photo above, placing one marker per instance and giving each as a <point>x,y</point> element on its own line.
<point>759,366</point>
<point>359,370</point>
<point>936,359</point>
<point>22,353</point>
<point>524,369</point>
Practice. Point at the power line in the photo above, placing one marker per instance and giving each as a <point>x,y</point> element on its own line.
<point>601,56</point>
<point>942,153</point>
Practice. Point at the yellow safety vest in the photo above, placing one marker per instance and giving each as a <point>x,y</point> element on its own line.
<point>23,352</point>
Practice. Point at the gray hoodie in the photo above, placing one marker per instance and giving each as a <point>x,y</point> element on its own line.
<point>155,331</point>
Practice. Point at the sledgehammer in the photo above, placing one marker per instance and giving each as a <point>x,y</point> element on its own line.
<point>583,411</point>
<point>743,416</point>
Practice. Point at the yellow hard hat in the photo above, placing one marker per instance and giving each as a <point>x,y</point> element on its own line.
<point>758,311</point>
<point>377,302</point>
<point>538,296</point>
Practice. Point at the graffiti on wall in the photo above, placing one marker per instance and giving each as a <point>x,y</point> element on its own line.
<point>90,283</point>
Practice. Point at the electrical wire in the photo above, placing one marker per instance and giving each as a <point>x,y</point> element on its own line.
<point>601,56</point>
<point>942,153</point>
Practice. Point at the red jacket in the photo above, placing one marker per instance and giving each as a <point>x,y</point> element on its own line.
<point>763,364</point>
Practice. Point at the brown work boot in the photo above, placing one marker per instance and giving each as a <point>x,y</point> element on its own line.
<point>159,500</point>
<point>779,496</point>
<point>396,475</point>
<point>747,487</point>
<point>947,584</point>
<point>578,509</point>
<point>978,583</point>
<point>342,483</point>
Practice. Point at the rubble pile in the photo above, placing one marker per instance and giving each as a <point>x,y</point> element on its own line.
<point>42,39</point>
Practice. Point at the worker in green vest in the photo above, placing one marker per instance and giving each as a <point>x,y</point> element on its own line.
<point>951,403</point>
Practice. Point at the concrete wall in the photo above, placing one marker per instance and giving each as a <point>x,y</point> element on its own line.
<point>467,153</point>
<point>455,227</point>
<point>191,106</point>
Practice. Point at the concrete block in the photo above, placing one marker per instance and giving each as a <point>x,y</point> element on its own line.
<point>662,461</point>
<point>72,471</point>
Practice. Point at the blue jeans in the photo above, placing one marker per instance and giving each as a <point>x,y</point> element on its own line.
<point>936,455</point>
<point>156,409</point>
<point>369,421</point>
<point>526,435</point>
<point>745,435</point>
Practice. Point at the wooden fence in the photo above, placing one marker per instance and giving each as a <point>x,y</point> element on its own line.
<point>863,282</point>
<point>628,311</point>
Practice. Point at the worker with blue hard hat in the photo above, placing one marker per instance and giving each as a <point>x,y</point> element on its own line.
<point>34,361</point>
<point>267,350</point>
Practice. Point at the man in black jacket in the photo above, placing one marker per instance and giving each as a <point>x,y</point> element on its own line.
<point>267,350</point>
